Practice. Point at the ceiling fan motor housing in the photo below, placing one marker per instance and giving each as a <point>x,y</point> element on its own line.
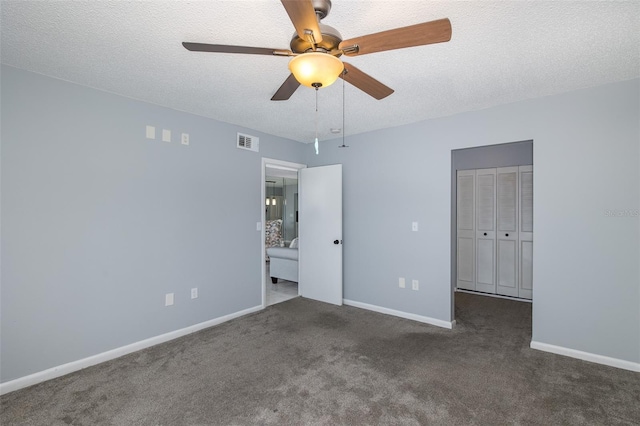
<point>322,8</point>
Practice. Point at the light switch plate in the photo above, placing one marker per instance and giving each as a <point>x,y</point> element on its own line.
<point>194,293</point>
<point>415,285</point>
<point>401,283</point>
<point>151,132</point>
<point>184,140</point>
<point>166,135</point>
<point>414,226</point>
<point>168,299</point>
<point>258,226</point>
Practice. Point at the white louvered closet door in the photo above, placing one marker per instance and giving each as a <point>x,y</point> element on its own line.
<point>486,230</point>
<point>495,231</point>
<point>465,230</point>
<point>507,231</point>
<point>525,234</point>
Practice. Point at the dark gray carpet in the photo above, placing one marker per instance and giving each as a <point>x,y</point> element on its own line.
<point>305,362</point>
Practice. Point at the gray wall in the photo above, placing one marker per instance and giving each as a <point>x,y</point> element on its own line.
<point>98,222</point>
<point>587,161</point>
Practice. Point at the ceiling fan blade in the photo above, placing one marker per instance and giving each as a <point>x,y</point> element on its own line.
<point>303,16</point>
<point>223,48</point>
<point>286,90</point>
<point>365,82</point>
<point>414,35</point>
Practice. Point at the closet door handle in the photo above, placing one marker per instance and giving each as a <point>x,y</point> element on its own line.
<point>485,234</point>
<point>336,241</point>
<point>506,235</point>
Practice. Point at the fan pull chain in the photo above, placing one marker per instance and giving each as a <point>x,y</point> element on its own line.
<point>344,71</point>
<point>316,142</point>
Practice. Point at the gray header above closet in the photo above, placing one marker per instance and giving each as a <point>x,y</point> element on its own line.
<point>501,155</point>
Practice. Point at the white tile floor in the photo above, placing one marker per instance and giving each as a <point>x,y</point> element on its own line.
<point>283,290</point>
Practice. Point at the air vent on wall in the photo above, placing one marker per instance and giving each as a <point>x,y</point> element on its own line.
<point>247,142</point>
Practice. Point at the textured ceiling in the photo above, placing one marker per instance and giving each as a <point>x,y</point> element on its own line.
<point>500,52</point>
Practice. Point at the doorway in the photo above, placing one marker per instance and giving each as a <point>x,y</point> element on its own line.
<point>487,160</point>
<point>279,201</point>
<point>319,267</point>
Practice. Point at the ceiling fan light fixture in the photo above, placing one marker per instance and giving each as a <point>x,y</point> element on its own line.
<point>316,69</point>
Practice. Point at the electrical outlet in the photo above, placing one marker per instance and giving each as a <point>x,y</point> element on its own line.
<point>184,140</point>
<point>414,285</point>
<point>168,299</point>
<point>414,226</point>
<point>194,293</point>
<point>258,226</point>
<point>401,282</point>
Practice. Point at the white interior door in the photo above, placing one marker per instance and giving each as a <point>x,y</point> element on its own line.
<point>507,231</point>
<point>320,226</point>
<point>486,230</point>
<point>525,234</point>
<point>465,230</point>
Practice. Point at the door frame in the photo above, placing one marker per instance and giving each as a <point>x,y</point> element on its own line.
<point>276,164</point>
<point>481,157</point>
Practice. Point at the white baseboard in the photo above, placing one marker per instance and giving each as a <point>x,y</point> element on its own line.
<point>586,356</point>
<point>414,317</point>
<point>80,364</point>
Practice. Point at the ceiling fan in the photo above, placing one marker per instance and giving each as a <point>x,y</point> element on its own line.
<point>316,47</point>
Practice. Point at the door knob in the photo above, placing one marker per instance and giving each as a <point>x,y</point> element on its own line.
<point>485,234</point>
<point>506,235</point>
<point>336,241</point>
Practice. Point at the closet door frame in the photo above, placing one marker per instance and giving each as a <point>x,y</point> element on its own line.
<point>472,158</point>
